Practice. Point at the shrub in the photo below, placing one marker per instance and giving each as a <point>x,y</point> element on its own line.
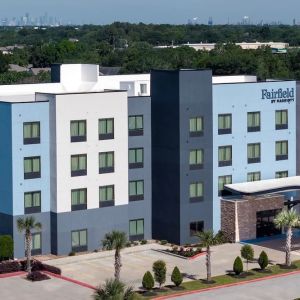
<point>159,269</point>
<point>6,247</point>
<point>37,276</point>
<point>51,269</point>
<point>128,244</point>
<point>176,277</point>
<point>72,253</point>
<point>263,260</point>
<point>135,243</point>
<point>238,266</point>
<point>148,281</point>
<point>10,266</point>
<point>39,266</point>
<point>144,242</point>
<point>163,242</point>
<point>247,253</point>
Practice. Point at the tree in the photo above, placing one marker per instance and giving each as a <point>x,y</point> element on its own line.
<point>287,219</point>
<point>115,240</point>
<point>208,239</point>
<point>263,260</point>
<point>6,247</point>
<point>176,277</point>
<point>4,60</point>
<point>27,225</point>
<point>247,253</point>
<point>148,281</point>
<point>160,270</point>
<point>114,289</point>
<point>238,266</point>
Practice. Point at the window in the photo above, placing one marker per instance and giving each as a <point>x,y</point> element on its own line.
<point>281,150</point>
<point>106,196</point>
<point>106,162</point>
<point>79,240</point>
<point>196,191</point>
<point>196,159</point>
<point>79,199</point>
<point>136,229</point>
<point>253,153</point>
<point>281,119</point>
<point>136,125</point>
<point>253,120</point>
<point>196,126</point>
<point>106,129</point>
<point>136,158</point>
<point>222,180</point>
<point>143,88</point>
<point>31,133</point>
<point>225,156</point>
<point>78,131</point>
<point>136,190</point>
<point>224,124</point>
<point>78,165</point>
<point>281,174</point>
<point>253,176</point>
<point>196,227</point>
<point>36,244</point>
<point>32,202</point>
<point>32,167</point>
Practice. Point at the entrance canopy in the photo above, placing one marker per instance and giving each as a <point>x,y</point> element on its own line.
<point>264,186</point>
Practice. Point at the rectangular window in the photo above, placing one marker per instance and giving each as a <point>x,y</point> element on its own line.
<point>136,229</point>
<point>253,153</point>
<point>253,176</point>
<point>32,167</point>
<point>253,120</point>
<point>106,162</point>
<point>282,150</point>
<point>78,131</point>
<point>196,126</point>
<point>135,125</point>
<point>78,165</point>
<point>36,244</point>
<point>32,202</point>
<point>222,180</point>
<point>224,124</point>
<point>281,119</point>
<point>196,159</point>
<point>136,190</point>
<point>106,129</point>
<point>196,227</point>
<point>281,174</point>
<point>196,192</point>
<point>79,199</point>
<point>79,240</point>
<point>106,195</point>
<point>143,88</point>
<point>225,156</point>
<point>136,158</point>
<point>31,133</point>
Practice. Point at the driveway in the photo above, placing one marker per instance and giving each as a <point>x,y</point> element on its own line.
<point>94,268</point>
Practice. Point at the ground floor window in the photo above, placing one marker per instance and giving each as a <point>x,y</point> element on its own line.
<point>196,227</point>
<point>79,240</point>
<point>136,229</point>
<point>281,174</point>
<point>36,244</point>
<point>253,176</point>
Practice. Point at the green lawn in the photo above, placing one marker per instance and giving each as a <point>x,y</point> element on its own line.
<point>222,280</point>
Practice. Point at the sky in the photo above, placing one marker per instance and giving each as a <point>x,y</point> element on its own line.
<point>155,11</point>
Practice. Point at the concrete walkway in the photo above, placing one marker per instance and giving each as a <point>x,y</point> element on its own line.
<point>94,268</point>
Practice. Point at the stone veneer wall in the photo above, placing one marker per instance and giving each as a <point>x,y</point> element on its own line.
<point>245,221</point>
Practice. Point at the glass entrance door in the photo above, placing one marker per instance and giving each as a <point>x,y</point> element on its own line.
<point>264,223</point>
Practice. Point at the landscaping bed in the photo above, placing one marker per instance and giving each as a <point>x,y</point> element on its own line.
<point>185,252</point>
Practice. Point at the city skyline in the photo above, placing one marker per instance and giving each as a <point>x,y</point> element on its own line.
<point>134,11</point>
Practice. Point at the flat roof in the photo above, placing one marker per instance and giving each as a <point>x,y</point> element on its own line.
<point>264,186</point>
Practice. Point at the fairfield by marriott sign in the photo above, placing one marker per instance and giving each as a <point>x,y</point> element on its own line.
<point>280,95</point>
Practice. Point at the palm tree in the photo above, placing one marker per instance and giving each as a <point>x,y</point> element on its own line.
<point>287,219</point>
<point>27,225</point>
<point>115,240</point>
<point>208,239</point>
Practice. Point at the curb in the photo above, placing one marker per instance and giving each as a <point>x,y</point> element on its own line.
<point>13,274</point>
<point>71,280</point>
<point>226,285</point>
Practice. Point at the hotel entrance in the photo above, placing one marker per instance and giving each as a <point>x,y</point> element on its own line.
<point>265,223</point>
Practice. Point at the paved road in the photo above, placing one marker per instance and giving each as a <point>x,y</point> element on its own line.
<point>283,288</point>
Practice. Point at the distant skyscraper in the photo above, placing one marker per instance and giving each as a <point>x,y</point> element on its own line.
<point>210,21</point>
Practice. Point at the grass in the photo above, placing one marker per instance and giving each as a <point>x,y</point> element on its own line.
<point>223,280</point>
